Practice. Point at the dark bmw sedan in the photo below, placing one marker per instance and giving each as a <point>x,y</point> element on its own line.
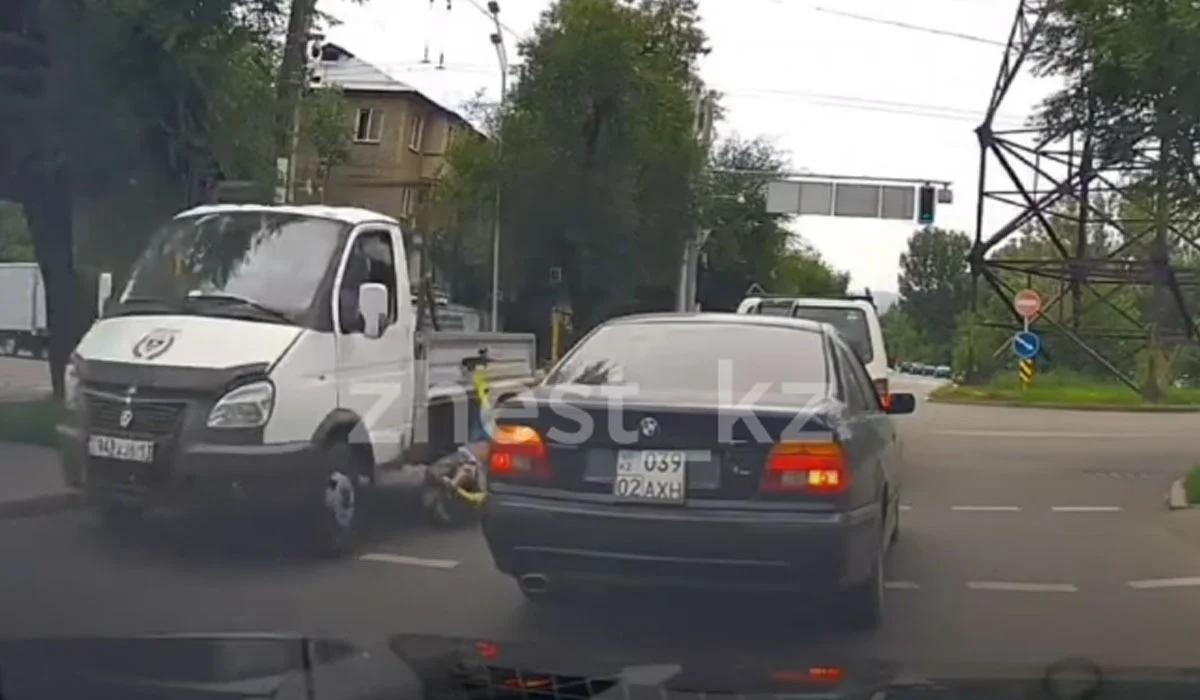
<point>710,450</point>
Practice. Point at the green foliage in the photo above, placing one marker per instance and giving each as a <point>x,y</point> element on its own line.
<point>1131,69</point>
<point>934,285</point>
<point>746,244</point>
<point>601,167</point>
<point>327,127</point>
<point>15,242</point>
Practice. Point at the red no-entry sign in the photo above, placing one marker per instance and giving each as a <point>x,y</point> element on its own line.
<point>1028,303</point>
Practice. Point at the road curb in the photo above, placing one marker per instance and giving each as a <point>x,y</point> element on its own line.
<point>1099,408</point>
<point>40,505</point>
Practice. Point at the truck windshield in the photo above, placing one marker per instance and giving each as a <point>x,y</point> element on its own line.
<point>273,261</point>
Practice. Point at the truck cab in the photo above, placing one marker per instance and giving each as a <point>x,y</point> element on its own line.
<point>266,355</point>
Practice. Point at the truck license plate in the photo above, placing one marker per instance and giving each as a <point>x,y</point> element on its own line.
<point>121,448</point>
<point>656,476</point>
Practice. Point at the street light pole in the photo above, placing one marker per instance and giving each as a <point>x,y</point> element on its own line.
<point>501,56</point>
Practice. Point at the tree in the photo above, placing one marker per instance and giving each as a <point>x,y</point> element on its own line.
<point>326,127</point>
<point>747,245</point>
<point>115,114</point>
<point>600,167</point>
<point>15,243</point>
<point>934,281</point>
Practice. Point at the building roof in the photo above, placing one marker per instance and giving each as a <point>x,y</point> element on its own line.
<point>352,74</point>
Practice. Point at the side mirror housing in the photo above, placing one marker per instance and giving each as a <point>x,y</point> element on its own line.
<point>373,307</point>
<point>900,404</point>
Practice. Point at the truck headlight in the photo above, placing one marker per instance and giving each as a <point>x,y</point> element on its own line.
<point>70,387</point>
<point>247,406</point>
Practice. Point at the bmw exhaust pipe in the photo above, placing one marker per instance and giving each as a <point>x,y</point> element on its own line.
<point>534,584</point>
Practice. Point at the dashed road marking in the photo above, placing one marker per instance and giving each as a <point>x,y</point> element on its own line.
<point>986,509</point>
<point>1086,509</point>
<point>410,561</point>
<point>902,585</point>
<point>1023,434</point>
<point>1185,582</point>
<point>1022,587</point>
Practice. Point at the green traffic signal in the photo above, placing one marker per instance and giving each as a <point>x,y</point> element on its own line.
<point>926,203</point>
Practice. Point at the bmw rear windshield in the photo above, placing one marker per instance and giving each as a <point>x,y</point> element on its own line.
<point>699,359</point>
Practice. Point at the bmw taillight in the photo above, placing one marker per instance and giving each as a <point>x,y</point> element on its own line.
<point>806,467</point>
<point>517,452</point>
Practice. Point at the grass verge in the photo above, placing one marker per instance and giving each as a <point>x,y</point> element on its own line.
<point>1066,391</point>
<point>33,422</point>
<point>1191,485</point>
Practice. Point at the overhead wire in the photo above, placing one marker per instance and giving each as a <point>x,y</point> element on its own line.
<point>850,102</point>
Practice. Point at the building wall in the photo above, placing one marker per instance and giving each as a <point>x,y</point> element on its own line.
<point>391,170</point>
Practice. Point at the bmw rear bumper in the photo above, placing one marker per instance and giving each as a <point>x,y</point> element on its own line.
<point>706,548</point>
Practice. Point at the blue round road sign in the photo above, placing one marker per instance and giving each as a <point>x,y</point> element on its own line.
<point>1027,345</point>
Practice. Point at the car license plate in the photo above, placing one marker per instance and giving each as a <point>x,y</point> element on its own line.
<point>121,448</point>
<point>657,476</point>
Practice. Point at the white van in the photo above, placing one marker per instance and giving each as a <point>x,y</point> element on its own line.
<point>270,356</point>
<point>854,317</point>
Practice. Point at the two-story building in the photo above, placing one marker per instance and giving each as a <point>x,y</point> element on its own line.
<point>399,144</point>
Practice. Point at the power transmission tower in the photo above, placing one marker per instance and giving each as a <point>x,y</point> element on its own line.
<point>1077,196</point>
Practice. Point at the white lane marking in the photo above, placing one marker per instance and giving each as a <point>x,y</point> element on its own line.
<point>986,509</point>
<point>1147,584</point>
<point>902,585</point>
<point>905,507</point>
<point>410,561</point>
<point>1036,434</point>
<point>1020,587</point>
<point>1086,509</point>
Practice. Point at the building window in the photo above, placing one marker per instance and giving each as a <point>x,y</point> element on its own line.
<point>369,127</point>
<point>408,201</point>
<point>416,133</point>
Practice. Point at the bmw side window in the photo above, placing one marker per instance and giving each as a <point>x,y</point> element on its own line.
<point>850,395</point>
<point>863,381</point>
<point>850,362</point>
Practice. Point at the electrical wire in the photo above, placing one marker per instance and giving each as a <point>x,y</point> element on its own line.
<point>911,27</point>
<point>913,109</point>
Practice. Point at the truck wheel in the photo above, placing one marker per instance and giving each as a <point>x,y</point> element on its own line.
<point>336,518</point>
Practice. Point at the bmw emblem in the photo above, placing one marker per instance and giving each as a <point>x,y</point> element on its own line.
<point>649,427</point>
<point>126,418</point>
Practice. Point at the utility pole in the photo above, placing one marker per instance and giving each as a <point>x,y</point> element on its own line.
<point>502,57</point>
<point>290,86</point>
<point>686,295</point>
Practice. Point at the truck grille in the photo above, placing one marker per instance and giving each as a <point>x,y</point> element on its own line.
<point>148,417</point>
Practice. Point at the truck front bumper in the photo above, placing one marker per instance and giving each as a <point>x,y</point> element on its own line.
<point>198,474</point>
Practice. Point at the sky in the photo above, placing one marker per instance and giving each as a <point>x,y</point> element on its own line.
<point>837,85</point>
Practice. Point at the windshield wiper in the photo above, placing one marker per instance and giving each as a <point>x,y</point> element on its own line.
<point>234,300</point>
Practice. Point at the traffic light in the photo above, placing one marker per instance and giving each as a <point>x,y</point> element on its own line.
<point>926,203</point>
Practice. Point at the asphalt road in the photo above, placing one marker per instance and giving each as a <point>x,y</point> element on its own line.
<point>1028,536</point>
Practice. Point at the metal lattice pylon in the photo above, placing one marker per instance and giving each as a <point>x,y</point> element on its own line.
<point>1053,184</point>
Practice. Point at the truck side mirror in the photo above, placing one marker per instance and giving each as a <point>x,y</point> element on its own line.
<point>373,307</point>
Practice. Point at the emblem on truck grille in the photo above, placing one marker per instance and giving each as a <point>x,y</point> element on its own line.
<point>649,427</point>
<point>154,344</point>
<point>126,418</point>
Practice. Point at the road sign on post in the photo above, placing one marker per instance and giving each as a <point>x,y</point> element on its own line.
<point>1027,345</point>
<point>1028,370</point>
<point>1028,303</point>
